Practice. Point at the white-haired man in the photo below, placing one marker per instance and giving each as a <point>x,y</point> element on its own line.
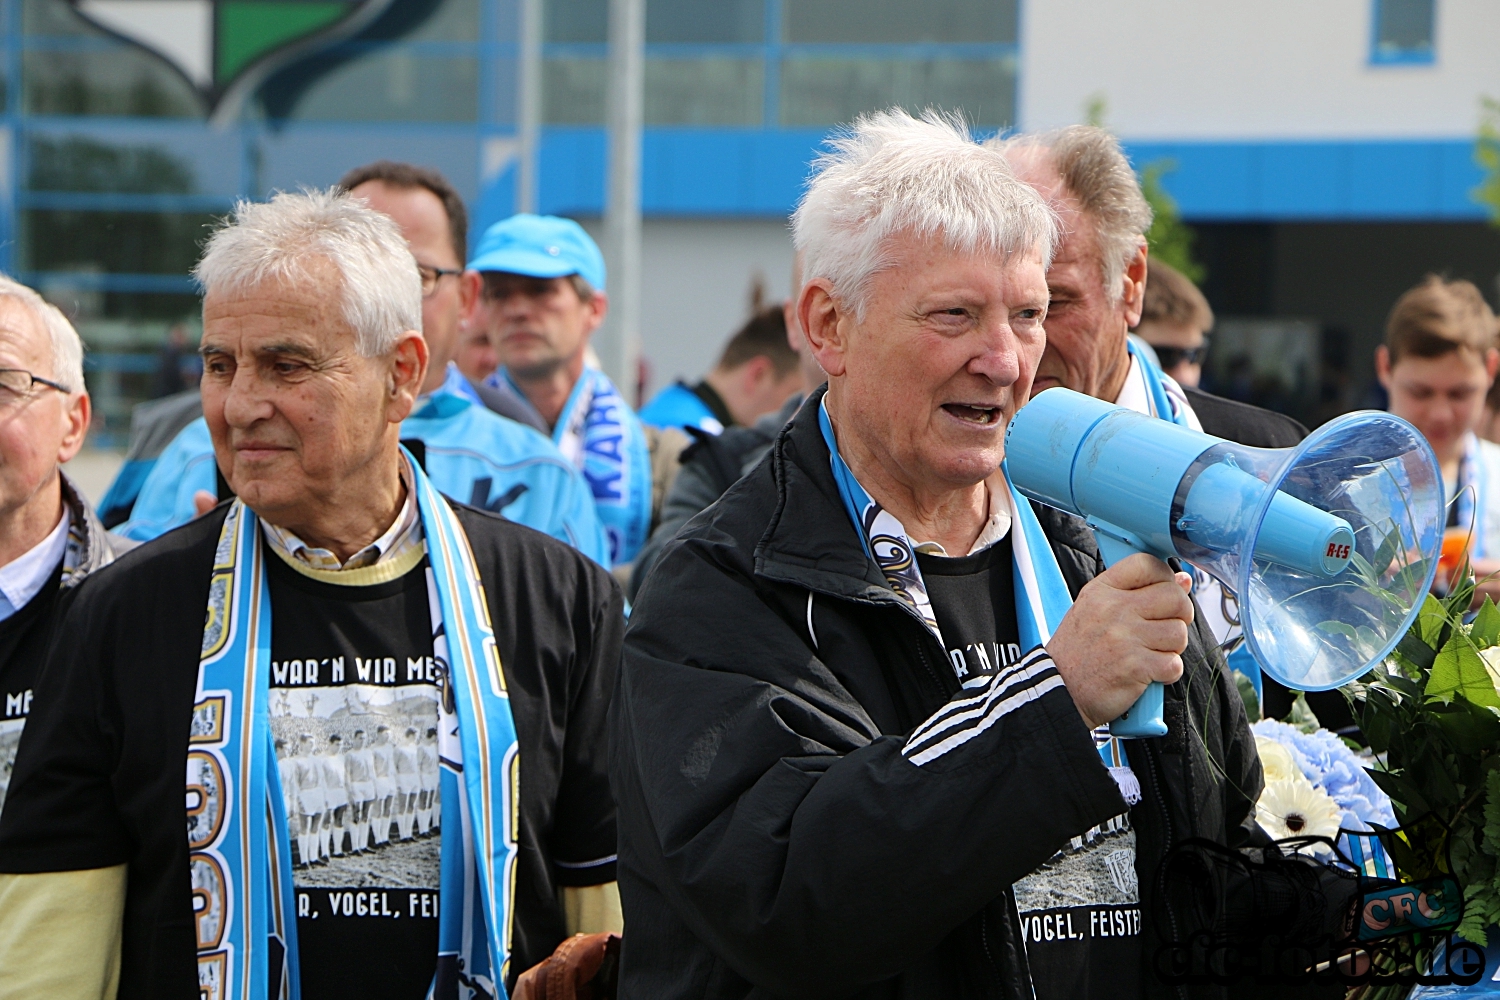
<point>50,539</point>
<point>341,572</point>
<point>879,734</point>
<point>486,459</point>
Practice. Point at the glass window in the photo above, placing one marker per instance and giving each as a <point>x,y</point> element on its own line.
<point>111,242</point>
<point>667,21</point>
<point>112,81</point>
<point>394,85</point>
<point>1403,30</point>
<point>704,91</point>
<point>75,163</point>
<point>573,91</point>
<point>705,21</point>
<point>576,21</point>
<point>821,91</point>
<point>992,21</point>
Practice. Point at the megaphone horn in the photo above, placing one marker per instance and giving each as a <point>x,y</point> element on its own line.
<point>1330,547</point>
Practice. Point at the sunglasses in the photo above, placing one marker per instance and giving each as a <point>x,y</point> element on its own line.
<point>1171,357</point>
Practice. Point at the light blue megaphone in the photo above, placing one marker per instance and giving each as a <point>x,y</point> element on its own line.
<point>1330,547</point>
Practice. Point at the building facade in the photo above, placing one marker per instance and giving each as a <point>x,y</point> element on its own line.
<point>1323,152</point>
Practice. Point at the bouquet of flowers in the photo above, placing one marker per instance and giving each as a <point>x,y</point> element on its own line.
<point>1315,785</point>
<point>1432,717</point>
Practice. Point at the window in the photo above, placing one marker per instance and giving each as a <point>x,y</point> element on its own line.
<point>1403,31</point>
<point>793,63</point>
<point>859,21</point>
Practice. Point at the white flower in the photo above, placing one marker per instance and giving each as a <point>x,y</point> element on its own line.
<point>1276,760</point>
<point>1491,657</point>
<point>1295,808</point>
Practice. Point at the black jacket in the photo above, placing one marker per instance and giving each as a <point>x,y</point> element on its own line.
<point>776,842</point>
<point>1243,423</point>
<point>99,779</point>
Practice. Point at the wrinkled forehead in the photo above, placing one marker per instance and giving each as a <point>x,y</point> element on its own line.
<point>304,309</point>
<point>23,339</point>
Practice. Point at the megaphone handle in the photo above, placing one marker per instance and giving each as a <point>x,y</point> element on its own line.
<point>1143,719</point>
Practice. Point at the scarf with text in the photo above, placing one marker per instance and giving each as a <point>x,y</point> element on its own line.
<point>240,860</point>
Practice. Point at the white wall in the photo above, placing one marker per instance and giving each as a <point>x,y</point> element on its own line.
<point>1271,69</point>
<point>696,286</point>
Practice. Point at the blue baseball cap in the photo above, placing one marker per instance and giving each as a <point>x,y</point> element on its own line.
<point>540,246</point>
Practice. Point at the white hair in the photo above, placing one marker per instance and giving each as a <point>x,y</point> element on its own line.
<point>67,346</point>
<point>890,175</point>
<point>380,290</point>
<point>1093,169</point>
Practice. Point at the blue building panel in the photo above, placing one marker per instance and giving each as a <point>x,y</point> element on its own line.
<point>761,172</point>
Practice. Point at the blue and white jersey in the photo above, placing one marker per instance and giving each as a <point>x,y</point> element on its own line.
<point>679,406</point>
<point>472,455</point>
<point>604,440</point>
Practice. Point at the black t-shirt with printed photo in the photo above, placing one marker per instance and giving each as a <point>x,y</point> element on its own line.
<point>345,662</point>
<point>99,777</point>
<point>1080,912</point>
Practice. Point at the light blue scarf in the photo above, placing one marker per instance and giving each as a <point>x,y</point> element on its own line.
<point>237,831</point>
<point>1472,502</point>
<point>1164,405</point>
<point>1042,596</point>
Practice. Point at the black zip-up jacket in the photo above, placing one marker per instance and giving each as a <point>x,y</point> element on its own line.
<point>776,841</point>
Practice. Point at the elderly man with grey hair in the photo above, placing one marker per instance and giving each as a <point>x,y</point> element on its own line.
<point>50,539</point>
<point>856,740</point>
<point>338,577</point>
<point>1098,287</point>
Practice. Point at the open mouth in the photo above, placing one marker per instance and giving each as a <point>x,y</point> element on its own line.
<point>982,416</point>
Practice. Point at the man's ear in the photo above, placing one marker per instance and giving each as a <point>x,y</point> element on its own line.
<point>824,324</point>
<point>407,372</point>
<point>596,308</point>
<point>1491,364</point>
<point>1383,366</point>
<point>77,413</point>
<point>757,371</point>
<point>470,283</point>
<point>1133,295</point>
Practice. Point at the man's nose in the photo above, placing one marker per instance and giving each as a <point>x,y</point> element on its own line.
<point>244,400</point>
<point>998,359</point>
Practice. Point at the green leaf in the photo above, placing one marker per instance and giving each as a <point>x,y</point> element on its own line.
<point>1471,728</point>
<point>1492,814</point>
<point>1401,790</point>
<point>1459,669</point>
<point>1485,631</point>
<point>1430,620</point>
<point>1386,553</point>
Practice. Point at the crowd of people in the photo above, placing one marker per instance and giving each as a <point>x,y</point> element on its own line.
<point>777,687</point>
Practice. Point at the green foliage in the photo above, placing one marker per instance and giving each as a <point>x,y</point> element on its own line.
<point>1487,155</point>
<point>1171,239</point>
<point>1433,719</point>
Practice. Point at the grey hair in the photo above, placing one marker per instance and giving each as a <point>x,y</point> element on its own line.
<point>890,174</point>
<point>1095,171</point>
<point>381,290</point>
<point>67,346</point>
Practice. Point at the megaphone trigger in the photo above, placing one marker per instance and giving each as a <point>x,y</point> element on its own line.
<point>1329,548</point>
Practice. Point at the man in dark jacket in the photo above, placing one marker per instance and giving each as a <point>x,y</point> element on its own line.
<point>858,743</point>
<point>338,594</point>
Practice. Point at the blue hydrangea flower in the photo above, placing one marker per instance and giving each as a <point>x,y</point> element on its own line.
<point>1332,766</point>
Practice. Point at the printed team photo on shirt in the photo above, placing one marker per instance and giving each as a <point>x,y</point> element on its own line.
<point>10,742</point>
<point>357,755</point>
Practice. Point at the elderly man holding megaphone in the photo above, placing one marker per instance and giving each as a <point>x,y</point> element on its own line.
<point>859,743</point>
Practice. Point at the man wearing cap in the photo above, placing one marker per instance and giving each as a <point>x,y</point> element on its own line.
<point>473,455</point>
<point>543,295</point>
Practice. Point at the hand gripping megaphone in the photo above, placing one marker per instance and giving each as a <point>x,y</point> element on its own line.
<point>1330,547</point>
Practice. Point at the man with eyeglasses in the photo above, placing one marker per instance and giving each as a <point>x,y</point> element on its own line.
<point>49,537</point>
<point>472,453</point>
<point>1175,320</point>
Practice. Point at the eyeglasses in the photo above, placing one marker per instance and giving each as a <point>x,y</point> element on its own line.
<point>1171,357</point>
<point>431,276</point>
<point>17,383</point>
